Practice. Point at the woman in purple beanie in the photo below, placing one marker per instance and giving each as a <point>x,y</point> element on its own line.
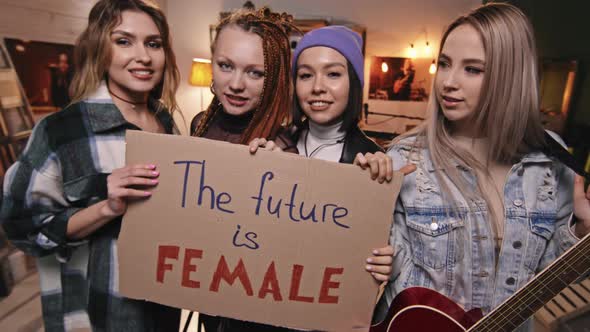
<point>328,71</point>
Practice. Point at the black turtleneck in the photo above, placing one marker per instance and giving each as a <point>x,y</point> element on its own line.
<point>229,128</point>
<point>224,126</point>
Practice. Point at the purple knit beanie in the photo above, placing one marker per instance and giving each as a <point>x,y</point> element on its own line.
<point>338,37</point>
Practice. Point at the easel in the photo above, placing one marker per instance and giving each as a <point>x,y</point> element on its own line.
<point>16,118</point>
<point>16,124</point>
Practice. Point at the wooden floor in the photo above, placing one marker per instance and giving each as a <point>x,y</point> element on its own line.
<point>21,310</point>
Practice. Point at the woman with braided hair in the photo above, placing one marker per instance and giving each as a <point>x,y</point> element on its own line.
<point>251,79</point>
<point>252,96</point>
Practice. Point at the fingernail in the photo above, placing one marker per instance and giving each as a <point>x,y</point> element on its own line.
<point>369,260</point>
<point>147,193</point>
<point>155,172</point>
<point>375,252</point>
<point>154,181</point>
<point>151,166</point>
<point>368,268</point>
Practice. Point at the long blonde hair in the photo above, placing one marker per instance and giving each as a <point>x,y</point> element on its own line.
<point>507,113</point>
<point>92,54</point>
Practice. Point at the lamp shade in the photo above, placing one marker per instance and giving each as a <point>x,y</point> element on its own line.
<point>200,72</point>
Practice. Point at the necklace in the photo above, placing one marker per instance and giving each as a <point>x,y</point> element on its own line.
<point>132,103</point>
<point>319,147</point>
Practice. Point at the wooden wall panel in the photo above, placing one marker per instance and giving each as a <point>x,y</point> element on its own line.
<point>59,21</point>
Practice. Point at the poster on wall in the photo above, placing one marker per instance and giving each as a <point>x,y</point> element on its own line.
<point>399,89</point>
<point>45,71</point>
<point>400,79</point>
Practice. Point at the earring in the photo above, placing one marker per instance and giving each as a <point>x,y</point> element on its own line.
<point>212,88</point>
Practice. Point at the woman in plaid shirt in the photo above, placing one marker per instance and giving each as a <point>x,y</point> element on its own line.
<point>64,197</point>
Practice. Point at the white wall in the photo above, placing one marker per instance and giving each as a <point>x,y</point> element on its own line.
<point>57,21</point>
<point>189,23</point>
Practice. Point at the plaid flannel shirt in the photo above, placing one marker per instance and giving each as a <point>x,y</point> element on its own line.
<point>63,170</point>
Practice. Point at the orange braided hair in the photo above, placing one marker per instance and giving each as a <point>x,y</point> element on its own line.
<point>276,98</point>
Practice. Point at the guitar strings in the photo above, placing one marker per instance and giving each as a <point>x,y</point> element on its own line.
<point>497,319</point>
<point>562,266</point>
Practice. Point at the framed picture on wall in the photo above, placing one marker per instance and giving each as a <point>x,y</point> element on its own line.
<point>398,94</point>
<point>45,71</point>
<point>400,79</point>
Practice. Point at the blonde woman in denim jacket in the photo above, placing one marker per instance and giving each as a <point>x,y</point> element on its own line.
<point>486,209</point>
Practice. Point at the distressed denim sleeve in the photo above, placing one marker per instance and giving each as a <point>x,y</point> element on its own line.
<point>399,240</point>
<point>398,237</point>
<point>402,260</point>
<point>35,211</point>
<point>563,237</point>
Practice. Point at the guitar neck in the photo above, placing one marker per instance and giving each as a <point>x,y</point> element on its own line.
<point>524,303</point>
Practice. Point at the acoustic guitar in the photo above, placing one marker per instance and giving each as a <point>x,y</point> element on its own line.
<point>420,309</point>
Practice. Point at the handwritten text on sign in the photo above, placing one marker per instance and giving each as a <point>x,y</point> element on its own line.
<point>272,238</point>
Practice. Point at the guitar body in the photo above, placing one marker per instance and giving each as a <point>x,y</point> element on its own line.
<point>419,309</point>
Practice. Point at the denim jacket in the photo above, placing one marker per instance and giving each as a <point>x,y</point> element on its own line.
<point>454,253</point>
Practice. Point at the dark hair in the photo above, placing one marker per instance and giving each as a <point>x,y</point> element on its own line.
<point>352,113</point>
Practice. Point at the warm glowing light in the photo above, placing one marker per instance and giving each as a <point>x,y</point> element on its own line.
<point>200,74</point>
<point>412,52</point>
<point>427,50</point>
<point>384,67</point>
<point>432,68</point>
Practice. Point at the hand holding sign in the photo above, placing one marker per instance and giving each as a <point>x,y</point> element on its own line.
<point>121,182</point>
<point>380,263</point>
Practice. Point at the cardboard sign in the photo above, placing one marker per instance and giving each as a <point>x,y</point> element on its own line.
<point>273,237</point>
